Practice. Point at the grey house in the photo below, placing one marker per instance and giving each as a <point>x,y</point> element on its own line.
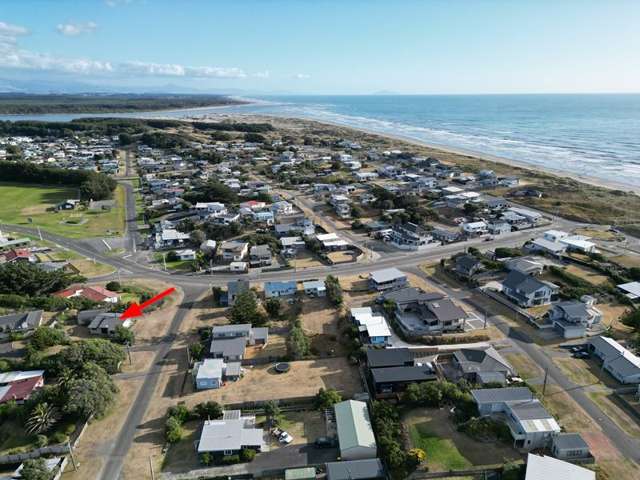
<point>387,279</point>
<point>569,446</point>
<point>229,341</point>
<point>260,256</point>
<point>425,313</point>
<point>530,424</point>
<point>467,266</point>
<point>481,366</point>
<point>572,318</point>
<point>20,322</point>
<point>528,291</point>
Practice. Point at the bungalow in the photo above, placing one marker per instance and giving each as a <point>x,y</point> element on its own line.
<point>106,323</point>
<point>292,245</point>
<point>387,279</point>
<point>466,266</point>
<point>479,366</point>
<point>528,291</point>
<point>545,245</point>
<point>18,255</point>
<point>623,365</point>
<point>282,208</point>
<point>210,209</point>
<point>498,228</point>
<point>332,242</point>
<point>530,424</point>
<point>94,293</point>
<point>355,433</point>
<point>233,250</point>
<point>579,243</point>
<point>444,235</point>
<point>230,435</point>
<point>186,254</point>
<point>529,215</point>
<point>631,290</point>
<point>540,467</point>
<point>314,288</point>
<point>280,289</point>
<point>234,288</point>
<point>18,386</point>
<point>260,256</point>
<point>425,313</point>
<point>297,225</point>
<point>365,176</point>
<point>573,318</point>
<point>341,205</point>
<point>409,236</point>
<point>525,265</point>
<point>20,322</point>
<point>170,238</point>
<point>570,446</point>
<point>265,217</point>
<point>212,372</point>
<point>474,228</point>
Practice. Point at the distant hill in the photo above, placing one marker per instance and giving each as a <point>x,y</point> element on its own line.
<point>21,103</point>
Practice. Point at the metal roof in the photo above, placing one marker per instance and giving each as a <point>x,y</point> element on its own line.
<point>386,275</point>
<point>494,395</point>
<point>355,470</point>
<point>354,425</point>
<point>549,468</point>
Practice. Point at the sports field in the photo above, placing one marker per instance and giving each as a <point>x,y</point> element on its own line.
<point>34,205</point>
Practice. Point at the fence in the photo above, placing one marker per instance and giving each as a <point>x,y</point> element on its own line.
<point>486,472</point>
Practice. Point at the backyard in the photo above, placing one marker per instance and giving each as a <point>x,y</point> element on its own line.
<point>447,449</point>
<point>31,205</point>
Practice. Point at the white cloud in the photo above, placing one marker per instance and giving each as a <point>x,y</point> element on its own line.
<point>115,3</point>
<point>12,56</point>
<point>75,29</point>
<point>301,76</point>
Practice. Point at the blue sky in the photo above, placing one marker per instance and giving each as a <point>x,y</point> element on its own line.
<point>323,46</point>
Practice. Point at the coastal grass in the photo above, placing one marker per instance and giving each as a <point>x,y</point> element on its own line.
<point>33,206</point>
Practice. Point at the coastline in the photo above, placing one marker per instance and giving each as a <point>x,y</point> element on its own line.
<point>597,182</point>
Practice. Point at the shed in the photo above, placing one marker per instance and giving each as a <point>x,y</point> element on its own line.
<point>355,433</point>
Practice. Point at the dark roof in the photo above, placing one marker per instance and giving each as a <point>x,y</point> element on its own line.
<point>411,294</point>
<point>526,283</point>
<point>493,395</point>
<point>370,468</point>
<point>445,310</point>
<point>21,321</point>
<point>531,410</point>
<point>467,262</point>
<point>228,347</point>
<point>570,441</point>
<point>402,374</point>
<point>389,357</point>
<point>473,360</point>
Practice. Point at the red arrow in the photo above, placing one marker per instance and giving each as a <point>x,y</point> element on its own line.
<point>135,310</point>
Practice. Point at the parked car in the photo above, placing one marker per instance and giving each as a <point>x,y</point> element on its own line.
<point>325,442</point>
<point>285,438</point>
<point>582,354</point>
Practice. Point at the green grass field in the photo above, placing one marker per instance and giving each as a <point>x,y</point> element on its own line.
<point>442,454</point>
<point>21,202</point>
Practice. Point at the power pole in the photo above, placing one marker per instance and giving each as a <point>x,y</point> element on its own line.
<point>129,353</point>
<point>484,314</point>
<point>544,385</point>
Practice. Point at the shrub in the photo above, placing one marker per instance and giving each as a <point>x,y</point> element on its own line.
<point>229,459</point>
<point>208,410</point>
<point>206,458</point>
<point>58,438</point>
<point>114,286</point>
<point>247,455</point>
<point>180,412</point>
<point>173,430</point>
<point>42,441</point>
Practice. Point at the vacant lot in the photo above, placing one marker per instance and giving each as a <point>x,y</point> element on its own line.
<point>627,261</point>
<point>611,314</point>
<point>21,202</point>
<point>446,448</point>
<point>591,276</point>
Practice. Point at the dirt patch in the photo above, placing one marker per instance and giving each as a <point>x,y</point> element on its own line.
<point>319,317</point>
<point>341,257</point>
<point>611,314</point>
<point>627,261</point>
<point>588,275</point>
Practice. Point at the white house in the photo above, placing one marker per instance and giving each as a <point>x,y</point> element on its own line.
<point>387,279</point>
<point>314,288</point>
<point>549,468</point>
<point>475,228</point>
<point>623,365</point>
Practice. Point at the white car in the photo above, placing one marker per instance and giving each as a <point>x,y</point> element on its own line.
<point>285,438</point>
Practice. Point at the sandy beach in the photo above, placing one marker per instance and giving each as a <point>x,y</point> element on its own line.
<point>456,151</point>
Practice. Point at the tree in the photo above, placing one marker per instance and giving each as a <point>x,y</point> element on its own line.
<point>334,290</point>
<point>273,307</point>
<point>272,412</point>
<point>114,286</point>
<point>35,469</point>
<point>91,392</point>
<point>197,237</point>
<point>326,398</point>
<point>208,410</point>
<point>125,139</point>
<point>173,430</point>
<point>180,412</point>
<point>298,344</point>
<point>24,278</point>
<point>102,352</point>
<point>245,310</point>
<point>123,335</point>
<point>171,256</point>
<point>247,454</point>
<point>42,417</point>
<point>45,337</point>
<point>196,351</point>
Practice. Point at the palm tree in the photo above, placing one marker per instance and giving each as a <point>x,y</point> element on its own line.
<point>42,418</point>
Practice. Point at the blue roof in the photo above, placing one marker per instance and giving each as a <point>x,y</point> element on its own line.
<point>279,286</point>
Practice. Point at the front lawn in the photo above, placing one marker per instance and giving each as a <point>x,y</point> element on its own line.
<point>32,205</point>
<point>442,453</point>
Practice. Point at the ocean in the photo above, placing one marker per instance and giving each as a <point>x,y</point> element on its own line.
<point>596,136</point>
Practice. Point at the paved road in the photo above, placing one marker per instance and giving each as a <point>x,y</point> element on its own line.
<point>122,445</point>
